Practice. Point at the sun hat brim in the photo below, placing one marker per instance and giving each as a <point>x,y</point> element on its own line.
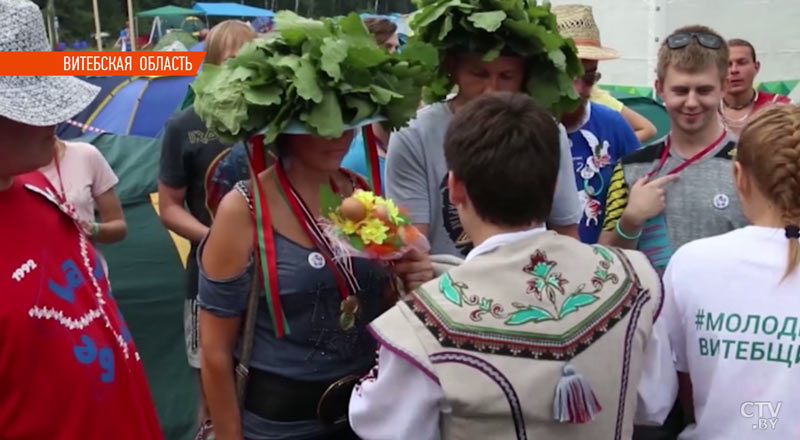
<point>297,127</point>
<point>596,53</point>
<point>44,100</point>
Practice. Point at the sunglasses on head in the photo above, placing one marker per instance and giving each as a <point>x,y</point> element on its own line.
<point>682,40</point>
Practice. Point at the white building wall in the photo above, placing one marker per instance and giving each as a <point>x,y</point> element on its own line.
<point>636,28</point>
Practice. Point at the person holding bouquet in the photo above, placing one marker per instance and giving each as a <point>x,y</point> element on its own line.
<point>309,343</point>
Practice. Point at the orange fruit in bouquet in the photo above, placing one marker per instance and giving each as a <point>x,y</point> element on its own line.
<point>352,209</point>
<point>408,234</point>
<point>382,212</point>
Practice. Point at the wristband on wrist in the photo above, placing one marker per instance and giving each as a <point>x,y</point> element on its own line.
<point>626,236</point>
<point>96,229</point>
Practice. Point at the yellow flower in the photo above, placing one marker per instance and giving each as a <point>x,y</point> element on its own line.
<point>394,212</point>
<point>349,227</point>
<point>367,198</point>
<point>373,231</point>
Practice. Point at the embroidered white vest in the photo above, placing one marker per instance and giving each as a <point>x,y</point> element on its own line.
<point>502,331</point>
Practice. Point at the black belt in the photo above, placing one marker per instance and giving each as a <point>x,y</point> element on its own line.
<point>282,399</point>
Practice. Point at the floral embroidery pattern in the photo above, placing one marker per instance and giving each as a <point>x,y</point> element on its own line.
<point>545,283</point>
<point>453,291</point>
<point>544,278</point>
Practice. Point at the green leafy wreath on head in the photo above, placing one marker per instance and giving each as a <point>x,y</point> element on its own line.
<point>326,75</point>
<point>497,27</point>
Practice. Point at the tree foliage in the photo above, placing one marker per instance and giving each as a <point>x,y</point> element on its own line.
<point>76,21</point>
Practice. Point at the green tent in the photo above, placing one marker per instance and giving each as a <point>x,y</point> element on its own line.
<point>147,274</point>
<point>649,108</point>
<point>169,11</point>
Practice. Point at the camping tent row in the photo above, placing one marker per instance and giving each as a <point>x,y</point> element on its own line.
<point>208,10</point>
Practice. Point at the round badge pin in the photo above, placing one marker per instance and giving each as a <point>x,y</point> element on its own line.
<point>316,260</point>
<point>721,201</point>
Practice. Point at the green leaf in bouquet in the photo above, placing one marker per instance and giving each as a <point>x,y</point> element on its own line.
<point>356,242</point>
<point>396,241</point>
<point>329,200</point>
<point>404,220</point>
<point>489,21</point>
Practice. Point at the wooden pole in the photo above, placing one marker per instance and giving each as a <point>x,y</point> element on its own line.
<point>97,36</point>
<point>131,27</point>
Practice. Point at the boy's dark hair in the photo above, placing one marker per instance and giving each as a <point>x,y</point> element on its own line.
<point>505,149</point>
<point>738,42</point>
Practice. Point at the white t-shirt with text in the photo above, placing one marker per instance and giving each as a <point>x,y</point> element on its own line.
<point>730,321</point>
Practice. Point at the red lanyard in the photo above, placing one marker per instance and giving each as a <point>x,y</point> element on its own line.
<point>687,162</point>
<point>265,240</point>
<point>342,268</point>
<point>371,146</point>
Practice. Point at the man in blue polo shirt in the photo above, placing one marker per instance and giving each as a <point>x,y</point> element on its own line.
<point>598,135</point>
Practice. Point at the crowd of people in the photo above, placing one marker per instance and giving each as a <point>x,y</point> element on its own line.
<point>584,280</point>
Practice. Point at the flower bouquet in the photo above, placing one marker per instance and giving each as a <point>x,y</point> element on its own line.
<point>369,226</point>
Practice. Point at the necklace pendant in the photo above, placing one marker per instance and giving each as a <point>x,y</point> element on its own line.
<point>348,309</point>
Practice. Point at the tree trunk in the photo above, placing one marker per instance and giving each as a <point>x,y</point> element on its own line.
<point>296,6</point>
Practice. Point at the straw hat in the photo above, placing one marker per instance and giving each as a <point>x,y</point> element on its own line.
<point>577,22</point>
<point>36,100</point>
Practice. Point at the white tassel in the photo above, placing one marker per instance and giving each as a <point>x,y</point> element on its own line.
<point>575,402</point>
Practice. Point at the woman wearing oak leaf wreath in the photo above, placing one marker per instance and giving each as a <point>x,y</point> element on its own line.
<point>310,341</point>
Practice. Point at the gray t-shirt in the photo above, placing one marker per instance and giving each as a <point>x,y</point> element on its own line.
<point>416,178</point>
<point>701,203</point>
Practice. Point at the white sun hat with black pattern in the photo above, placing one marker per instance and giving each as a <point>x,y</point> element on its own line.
<point>36,100</point>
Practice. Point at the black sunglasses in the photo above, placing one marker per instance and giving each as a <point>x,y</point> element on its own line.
<point>682,40</point>
<point>591,78</point>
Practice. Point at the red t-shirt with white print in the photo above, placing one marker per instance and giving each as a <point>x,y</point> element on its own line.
<point>68,366</point>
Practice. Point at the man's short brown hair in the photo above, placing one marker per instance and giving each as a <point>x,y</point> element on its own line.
<point>381,28</point>
<point>738,42</point>
<point>694,56</point>
<point>505,149</point>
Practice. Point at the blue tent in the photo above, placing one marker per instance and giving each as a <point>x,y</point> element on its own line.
<point>134,105</point>
<point>231,10</point>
